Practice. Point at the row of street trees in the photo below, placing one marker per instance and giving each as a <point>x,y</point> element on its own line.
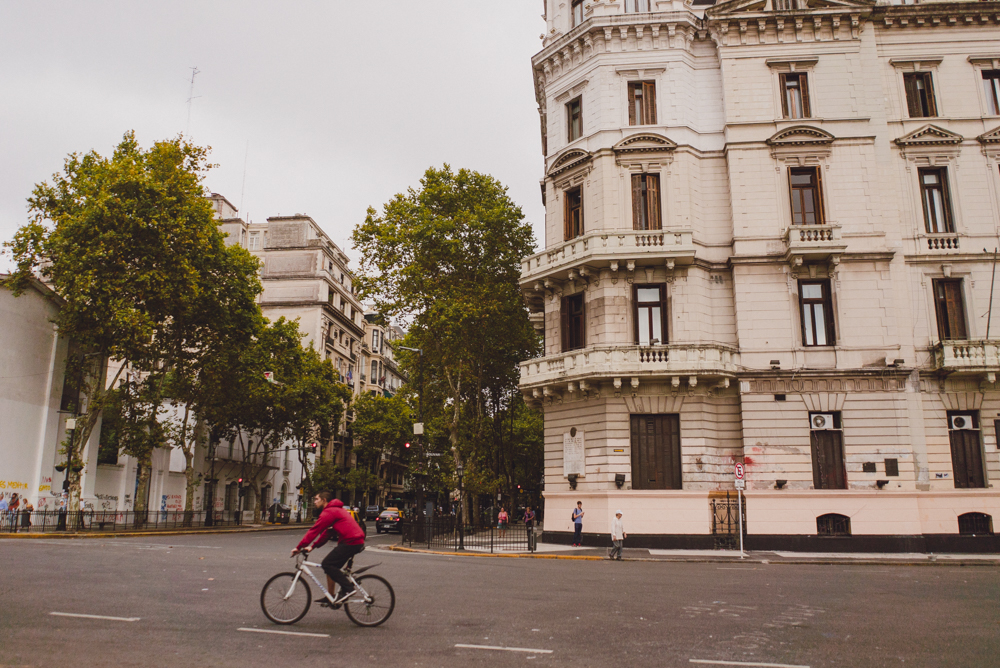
<point>143,276</point>
<point>445,258</point>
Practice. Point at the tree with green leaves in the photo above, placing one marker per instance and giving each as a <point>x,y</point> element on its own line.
<point>137,262</point>
<point>382,426</point>
<point>447,257</point>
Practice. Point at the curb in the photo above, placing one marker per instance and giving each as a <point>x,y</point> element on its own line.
<point>718,560</point>
<point>139,534</point>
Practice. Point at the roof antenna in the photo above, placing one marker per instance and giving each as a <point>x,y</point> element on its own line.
<point>191,96</point>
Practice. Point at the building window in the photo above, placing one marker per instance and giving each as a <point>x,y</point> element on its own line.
<point>807,203</point>
<point>991,82</point>
<point>574,119</point>
<point>794,95</point>
<point>934,193</point>
<point>573,214</point>
<point>656,451</point>
<point>375,340</point>
<point>374,375</point>
<point>950,308</point>
<point>966,450</point>
<point>919,94</point>
<point>973,524</point>
<point>650,314</point>
<point>642,103</point>
<point>646,202</point>
<point>254,241</point>
<point>817,313</point>
<point>636,6</point>
<point>833,524</point>
<point>577,11</point>
<point>827,443</point>
<point>574,326</point>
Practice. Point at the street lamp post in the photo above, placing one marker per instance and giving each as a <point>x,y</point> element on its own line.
<point>460,471</point>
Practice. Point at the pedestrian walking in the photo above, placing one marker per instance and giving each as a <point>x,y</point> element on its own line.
<point>26,510</point>
<point>502,521</point>
<point>529,518</point>
<point>578,524</point>
<point>12,509</point>
<point>617,536</point>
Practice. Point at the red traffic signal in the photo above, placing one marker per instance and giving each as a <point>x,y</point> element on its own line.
<point>407,445</point>
<point>313,446</point>
<point>240,481</point>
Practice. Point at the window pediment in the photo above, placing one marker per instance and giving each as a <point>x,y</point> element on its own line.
<point>801,135</point>
<point>929,135</point>
<point>568,160</point>
<point>644,142</point>
<point>991,137</point>
<point>756,6</point>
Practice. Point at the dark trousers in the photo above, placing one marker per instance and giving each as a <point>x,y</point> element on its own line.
<point>578,532</point>
<point>334,561</point>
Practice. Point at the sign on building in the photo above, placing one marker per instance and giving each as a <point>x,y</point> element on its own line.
<point>573,452</point>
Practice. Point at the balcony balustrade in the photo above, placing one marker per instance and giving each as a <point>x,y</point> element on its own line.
<point>813,243</point>
<point>938,243</point>
<point>679,362</point>
<point>619,250</point>
<point>969,357</point>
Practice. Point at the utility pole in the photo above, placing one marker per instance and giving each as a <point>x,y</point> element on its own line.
<point>419,431</point>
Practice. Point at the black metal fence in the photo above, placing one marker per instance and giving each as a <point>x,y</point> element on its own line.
<point>447,534</point>
<point>726,521</point>
<point>87,520</point>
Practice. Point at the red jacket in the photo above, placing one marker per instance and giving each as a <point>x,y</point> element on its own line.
<point>334,518</point>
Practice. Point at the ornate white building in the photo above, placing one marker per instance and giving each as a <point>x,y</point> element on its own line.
<point>765,242</point>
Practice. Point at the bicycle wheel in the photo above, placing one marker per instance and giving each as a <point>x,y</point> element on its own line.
<point>376,607</point>
<point>282,603</point>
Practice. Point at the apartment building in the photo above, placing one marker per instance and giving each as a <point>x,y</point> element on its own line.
<point>769,240</point>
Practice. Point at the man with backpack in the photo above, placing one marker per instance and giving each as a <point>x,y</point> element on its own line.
<point>578,524</point>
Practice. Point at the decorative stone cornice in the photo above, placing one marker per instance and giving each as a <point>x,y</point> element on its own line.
<point>567,160</point>
<point>991,137</point>
<point>929,135</point>
<point>644,142</point>
<point>801,135</point>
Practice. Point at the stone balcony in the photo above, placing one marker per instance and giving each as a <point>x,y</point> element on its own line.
<point>970,358</point>
<point>617,250</point>
<point>686,364</point>
<point>938,243</point>
<point>813,243</point>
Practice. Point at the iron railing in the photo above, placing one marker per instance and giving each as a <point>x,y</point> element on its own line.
<point>445,533</point>
<point>87,520</point>
<point>726,521</point>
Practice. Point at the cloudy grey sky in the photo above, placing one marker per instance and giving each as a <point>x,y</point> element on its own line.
<point>331,106</point>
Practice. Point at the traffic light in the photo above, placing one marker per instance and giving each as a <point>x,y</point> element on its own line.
<point>240,481</point>
<point>312,447</point>
<point>407,445</point>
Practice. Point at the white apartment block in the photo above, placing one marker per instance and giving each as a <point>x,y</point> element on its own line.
<point>767,225</point>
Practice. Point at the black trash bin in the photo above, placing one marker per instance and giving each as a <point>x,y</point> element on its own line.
<point>284,514</point>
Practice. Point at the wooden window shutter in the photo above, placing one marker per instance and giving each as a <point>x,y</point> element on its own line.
<point>631,105</point>
<point>804,88</point>
<point>566,216</point>
<point>637,222</point>
<point>663,315</point>
<point>831,330</point>
<point>818,194</point>
<point>564,324</point>
<point>912,96</point>
<point>956,309</point>
<point>583,322</point>
<point>783,84</point>
<point>649,103</point>
<point>653,201</point>
<point>635,313</point>
<point>929,90</point>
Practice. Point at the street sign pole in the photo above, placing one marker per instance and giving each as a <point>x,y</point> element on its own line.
<point>741,484</point>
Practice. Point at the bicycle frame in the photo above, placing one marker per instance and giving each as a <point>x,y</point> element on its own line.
<point>303,567</point>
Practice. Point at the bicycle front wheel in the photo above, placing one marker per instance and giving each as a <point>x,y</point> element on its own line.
<point>376,607</point>
<point>285,600</point>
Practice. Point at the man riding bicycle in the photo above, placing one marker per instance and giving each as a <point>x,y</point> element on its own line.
<point>350,541</point>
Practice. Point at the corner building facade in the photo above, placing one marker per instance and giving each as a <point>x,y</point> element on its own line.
<point>764,243</point>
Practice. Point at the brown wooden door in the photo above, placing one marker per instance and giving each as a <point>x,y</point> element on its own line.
<point>828,459</point>
<point>966,458</point>
<point>656,452</point>
<point>950,309</point>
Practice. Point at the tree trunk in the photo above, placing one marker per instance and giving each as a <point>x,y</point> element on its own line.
<point>142,490</point>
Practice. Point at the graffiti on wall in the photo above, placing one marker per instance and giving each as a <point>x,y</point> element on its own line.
<point>13,485</point>
<point>108,502</point>
<point>171,502</point>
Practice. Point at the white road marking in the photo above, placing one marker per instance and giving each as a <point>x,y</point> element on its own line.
<point>505,649</point>
<point>114,619</point>
<point>286,633</point>
<point>747,663</point>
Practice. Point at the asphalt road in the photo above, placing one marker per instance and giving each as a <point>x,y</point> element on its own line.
<point>192,594</point>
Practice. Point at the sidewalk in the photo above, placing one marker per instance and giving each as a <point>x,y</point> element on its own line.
<point>554,551</point>
<point>243,528</point>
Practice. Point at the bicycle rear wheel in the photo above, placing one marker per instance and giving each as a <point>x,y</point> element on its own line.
<point>281,602</point>
<point>376,607</point>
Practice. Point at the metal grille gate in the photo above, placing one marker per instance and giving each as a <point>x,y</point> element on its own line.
<point>725,520</point>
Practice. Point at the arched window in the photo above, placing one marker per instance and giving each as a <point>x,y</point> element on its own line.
<point>833,524</point>
<point>972,524</point>
<point>284,494</point>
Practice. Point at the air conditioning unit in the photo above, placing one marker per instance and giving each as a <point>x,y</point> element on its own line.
<point>821,420</point>
<point>960,422</point>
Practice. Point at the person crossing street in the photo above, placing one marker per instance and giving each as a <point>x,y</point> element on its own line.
<point>333,521</point>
